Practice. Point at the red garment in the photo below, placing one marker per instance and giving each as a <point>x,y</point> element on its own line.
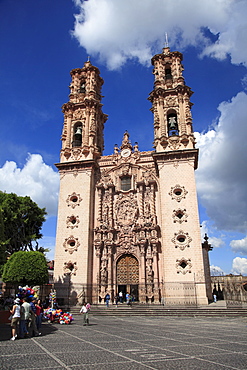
<point>38,310</point>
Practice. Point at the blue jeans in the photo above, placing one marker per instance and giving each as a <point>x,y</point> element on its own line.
<point>23,328</point>
<point>39,321</point>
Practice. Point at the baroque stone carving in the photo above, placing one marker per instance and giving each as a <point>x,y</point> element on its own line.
<point>181,240</point>
<point>179,215</point>
<point>174,142</point>
<point>72,221</point>
<point>70,268</point>
<point>183,265</point>
<point>105,180</point>
<point>73,200</point>
<point>148,176</point>
<point>178,192</point>
<point>126,239</point>
<point>106,204</point>
<point>71,244</point>
<point>126,209</point>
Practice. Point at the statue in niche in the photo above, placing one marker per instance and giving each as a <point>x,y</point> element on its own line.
<point>149,274</point>
<point>105,214</point>
<point>103,273</point>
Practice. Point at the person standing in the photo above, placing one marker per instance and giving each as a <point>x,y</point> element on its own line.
<point>84,311</point>
<point>16,315</point>
<point>25,316</point>
<point>88,307</point>
<point>39,310</point>
<point>116,298</point>
<point>120,296</point>
<point>32,325</point>
<point>107,299</point>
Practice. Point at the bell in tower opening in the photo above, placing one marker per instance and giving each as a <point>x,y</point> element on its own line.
<point>77,136</point>
<point>129,221</point>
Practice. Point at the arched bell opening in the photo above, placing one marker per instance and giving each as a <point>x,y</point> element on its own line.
<point>128,276</point>
<point>77,134</point>
<point>172,123</point>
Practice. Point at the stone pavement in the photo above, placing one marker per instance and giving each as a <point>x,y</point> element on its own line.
<point>130,342</point>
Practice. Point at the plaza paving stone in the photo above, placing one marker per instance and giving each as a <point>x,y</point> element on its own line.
<point>130,342</point>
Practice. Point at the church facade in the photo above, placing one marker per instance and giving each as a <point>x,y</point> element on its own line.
<point>128,222</point>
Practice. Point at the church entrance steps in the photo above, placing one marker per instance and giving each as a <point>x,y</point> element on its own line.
<point>158,310</point>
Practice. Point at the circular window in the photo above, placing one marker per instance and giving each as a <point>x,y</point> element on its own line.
<point>178,192</point>
<point>74,199</point>
<point>181,239</point>
<point>72,243</point>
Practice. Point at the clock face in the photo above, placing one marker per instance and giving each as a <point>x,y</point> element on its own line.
<point>125,152</point>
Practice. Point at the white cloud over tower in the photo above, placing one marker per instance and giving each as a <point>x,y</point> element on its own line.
<point>116,31</point>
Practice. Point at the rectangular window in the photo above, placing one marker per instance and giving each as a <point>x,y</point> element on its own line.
<point>126,183</point>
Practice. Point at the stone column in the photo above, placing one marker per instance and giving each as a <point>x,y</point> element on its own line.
<point>68,137</point>
<point>97,288</point>
<point>100,203</point>
<point>156,273</point>
<point>143,273</point>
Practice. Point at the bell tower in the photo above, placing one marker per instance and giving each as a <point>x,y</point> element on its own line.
<point>171,103</point>
<point>82,137</point>
<point>82,146</point>
<point>176,160</point>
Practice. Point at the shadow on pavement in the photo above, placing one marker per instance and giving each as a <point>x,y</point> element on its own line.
<point>5,331</point>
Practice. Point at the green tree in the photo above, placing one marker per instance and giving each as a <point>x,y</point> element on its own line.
<point>22,220</point>
<point>26,268</point>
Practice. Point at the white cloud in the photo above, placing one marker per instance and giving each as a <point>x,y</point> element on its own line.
<point>216,271</point>
<point>239,246</point>
<point>213,240</point>
<point>222,176</point>
<point>120,30</point>
<point>35,179</point>
<point>239,266</point>
<point>232,37</point>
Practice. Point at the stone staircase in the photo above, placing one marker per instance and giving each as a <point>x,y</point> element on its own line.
<point>212,310</point>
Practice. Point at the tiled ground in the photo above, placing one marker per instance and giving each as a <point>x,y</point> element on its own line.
<point>131,343</point>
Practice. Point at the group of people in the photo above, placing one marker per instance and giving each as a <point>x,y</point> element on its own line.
<point>119,298</point>
<point>26,318</point>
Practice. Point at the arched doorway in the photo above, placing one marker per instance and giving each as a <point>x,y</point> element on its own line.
<point>128,276</point>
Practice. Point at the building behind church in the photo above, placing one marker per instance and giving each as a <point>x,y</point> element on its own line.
<point>128,222</point>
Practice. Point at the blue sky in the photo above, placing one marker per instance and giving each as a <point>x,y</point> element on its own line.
<point>41,41</point>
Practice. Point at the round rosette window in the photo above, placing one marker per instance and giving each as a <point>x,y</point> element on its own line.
<point>178,192</point>
<point>71,244</point>
<point>73,200</point>
<point>181,240</point>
